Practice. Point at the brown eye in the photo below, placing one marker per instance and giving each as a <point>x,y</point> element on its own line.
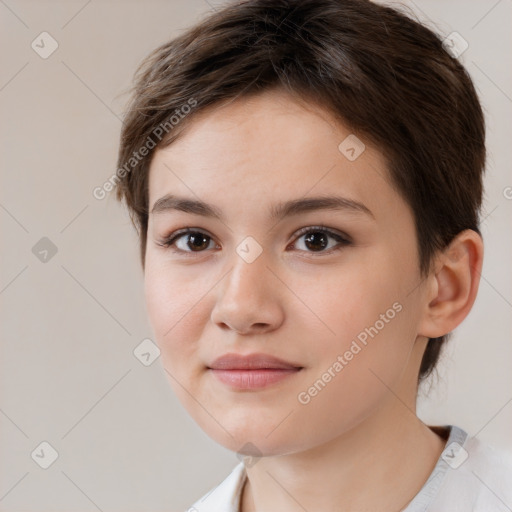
<point>317,239</point>
<point>197,241</point>
<point>187,241</point>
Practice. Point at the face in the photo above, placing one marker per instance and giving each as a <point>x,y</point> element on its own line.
<point>332,291</point>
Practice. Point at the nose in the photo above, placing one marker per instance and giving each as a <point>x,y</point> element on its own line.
<point>249,297</point>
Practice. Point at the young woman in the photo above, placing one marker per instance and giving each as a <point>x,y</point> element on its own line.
<point>306,179</point>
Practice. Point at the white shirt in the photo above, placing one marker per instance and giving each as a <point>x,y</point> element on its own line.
<point>469,476</point>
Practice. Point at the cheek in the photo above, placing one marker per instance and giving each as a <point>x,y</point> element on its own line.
<point>369,321</point>
<point>174,310</point>
<point>353,378</point>
<point>345,303</point>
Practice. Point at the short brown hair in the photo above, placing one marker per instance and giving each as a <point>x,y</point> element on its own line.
<point>385,75</point>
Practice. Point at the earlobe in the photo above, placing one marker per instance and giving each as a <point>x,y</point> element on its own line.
<point>453,285</point>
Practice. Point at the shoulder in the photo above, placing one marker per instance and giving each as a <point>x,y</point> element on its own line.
<point>492,468</point>
<point>478,476</point>
<point>225,496</point>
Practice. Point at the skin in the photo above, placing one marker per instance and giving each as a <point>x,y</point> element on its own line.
<point>343,449</point>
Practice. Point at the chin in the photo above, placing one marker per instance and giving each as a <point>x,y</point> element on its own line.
<point>257,440</point>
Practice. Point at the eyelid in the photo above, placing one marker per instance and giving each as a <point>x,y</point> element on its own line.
<point>321,227</point>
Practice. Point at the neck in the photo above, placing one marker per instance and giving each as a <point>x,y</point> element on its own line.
<point>379,465</point>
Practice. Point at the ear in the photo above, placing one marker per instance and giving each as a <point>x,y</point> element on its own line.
<point>453,285</point>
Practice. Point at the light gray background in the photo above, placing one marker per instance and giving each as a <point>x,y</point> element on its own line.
<point>69,326</point>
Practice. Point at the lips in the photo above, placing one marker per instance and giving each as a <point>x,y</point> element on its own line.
<point>252,372</point>
<point>232,361</point>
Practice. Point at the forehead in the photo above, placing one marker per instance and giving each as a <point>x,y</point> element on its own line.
<point>267,149</point>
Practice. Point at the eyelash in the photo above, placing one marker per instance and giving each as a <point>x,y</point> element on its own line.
<point>169,241</point>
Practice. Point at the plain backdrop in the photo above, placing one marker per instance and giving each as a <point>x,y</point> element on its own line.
<point>72,309</point>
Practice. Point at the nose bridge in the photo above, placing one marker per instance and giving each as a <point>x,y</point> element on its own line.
<point>245,299</point>
<point>249,264</point>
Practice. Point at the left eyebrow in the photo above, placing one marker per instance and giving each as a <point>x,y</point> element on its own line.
<point>171,202</point>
